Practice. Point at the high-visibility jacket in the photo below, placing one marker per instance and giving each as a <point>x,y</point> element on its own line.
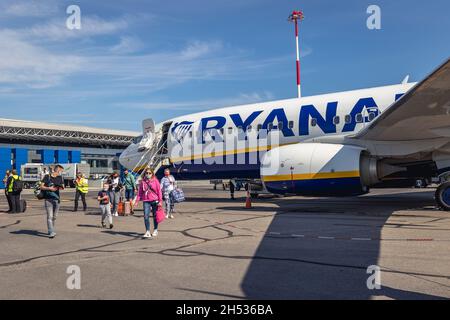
<point>82,185</point>
<point>11,182</point>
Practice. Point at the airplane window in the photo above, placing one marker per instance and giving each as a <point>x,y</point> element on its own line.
<point>291,124</point>
<point>359,118</point>
<point>313,122</point>
<point>259,127</point>
<point>190,134</point>
<point>280,125</point>
<point>371,116</point>
<point>221,130</point>
<point>249,128</point>
<point>270,126</point>
<point>348,118</point>
<point>230,130</point>
<point>336,120</point>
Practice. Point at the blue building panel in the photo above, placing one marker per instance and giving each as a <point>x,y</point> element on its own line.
<point>20,158</point>
<point>75,156</point>
<point>5,164</point>
<point>62,156</point>
<point>47,156</point>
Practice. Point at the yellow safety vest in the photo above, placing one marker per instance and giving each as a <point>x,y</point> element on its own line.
<point>11,184</point>
<point>83,185</point>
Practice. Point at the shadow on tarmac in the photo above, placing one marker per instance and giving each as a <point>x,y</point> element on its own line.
<point>314,268</point>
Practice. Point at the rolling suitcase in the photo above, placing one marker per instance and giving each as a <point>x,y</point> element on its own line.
<point>23,205</point>
<point>121,209</point>
<point>128,208</point>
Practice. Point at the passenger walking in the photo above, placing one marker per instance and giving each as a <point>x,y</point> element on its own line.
<point>232,188</point>
<point>105,206</point>
<point>129,183</point>
<point>115,186</point>
<point>150,194</point>
<point>14,190</point>
<point>5,183</point>
<point>168,184</point>
<point>82,189</point>
<point>51,185</point>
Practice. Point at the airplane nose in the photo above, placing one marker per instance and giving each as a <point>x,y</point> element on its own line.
<point>123,158</point>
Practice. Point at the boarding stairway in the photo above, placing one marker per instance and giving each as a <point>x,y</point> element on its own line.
<point>154,148</point>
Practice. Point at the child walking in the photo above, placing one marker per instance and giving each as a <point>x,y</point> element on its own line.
<point>105,206</point>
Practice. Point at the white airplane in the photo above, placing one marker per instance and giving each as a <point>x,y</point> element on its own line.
<point>333,144</point>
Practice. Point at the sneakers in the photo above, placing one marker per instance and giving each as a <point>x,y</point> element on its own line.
<point>52,235</point>
<point>147,235</point>
<point>155,233</point>
<point>116,214</point>
<point>111,226</point>
<point>171,216</point>
<point>103,225</point>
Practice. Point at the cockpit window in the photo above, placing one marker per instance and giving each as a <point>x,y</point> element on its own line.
<point>137,139</point>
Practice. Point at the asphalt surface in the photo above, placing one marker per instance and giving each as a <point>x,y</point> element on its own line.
<point>282,248</point>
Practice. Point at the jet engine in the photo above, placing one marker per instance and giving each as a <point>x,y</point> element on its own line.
<point>322,169</point>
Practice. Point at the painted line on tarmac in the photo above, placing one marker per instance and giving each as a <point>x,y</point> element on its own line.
<point>275,234</point>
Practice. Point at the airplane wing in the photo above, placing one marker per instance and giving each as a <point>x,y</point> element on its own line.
<point>422,113</point>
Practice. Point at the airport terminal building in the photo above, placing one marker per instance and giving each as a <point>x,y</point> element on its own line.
<point>36,142</point>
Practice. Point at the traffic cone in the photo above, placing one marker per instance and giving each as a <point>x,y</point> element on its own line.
<point>248,201</point>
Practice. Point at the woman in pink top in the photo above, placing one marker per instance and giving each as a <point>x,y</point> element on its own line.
<point>150,194</point>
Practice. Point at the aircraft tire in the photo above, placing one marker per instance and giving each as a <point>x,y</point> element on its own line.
<point>442,196</point>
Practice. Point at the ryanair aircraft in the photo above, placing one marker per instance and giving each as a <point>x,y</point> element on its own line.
<point>333,144</point>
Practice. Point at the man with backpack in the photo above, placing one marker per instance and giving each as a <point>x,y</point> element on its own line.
<point>50,186</point>
<point>14,187</point>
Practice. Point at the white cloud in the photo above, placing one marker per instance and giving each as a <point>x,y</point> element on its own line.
<point>56,30</point>
<point>30,8</point>
<point>24,64</point>
<point>127,44</point>
<point>198,49</point>
<point>203,104</point>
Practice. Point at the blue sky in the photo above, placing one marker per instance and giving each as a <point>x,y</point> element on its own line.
<point>137,59</point>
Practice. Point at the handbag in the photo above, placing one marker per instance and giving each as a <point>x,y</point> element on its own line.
<point>160,215</point>
<point>178,195</point>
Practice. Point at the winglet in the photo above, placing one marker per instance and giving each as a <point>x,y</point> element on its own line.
<point>405,81</point>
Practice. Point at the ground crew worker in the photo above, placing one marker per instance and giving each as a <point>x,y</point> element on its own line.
<point>5,183</point>
<point>232,187</point>
<point>82,186</point>
<point>14,195</point>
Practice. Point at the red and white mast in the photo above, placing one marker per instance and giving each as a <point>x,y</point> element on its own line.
<point>295,16</point>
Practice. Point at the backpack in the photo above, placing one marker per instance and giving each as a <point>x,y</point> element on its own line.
<point>38,193</point>
<point>17,185</point>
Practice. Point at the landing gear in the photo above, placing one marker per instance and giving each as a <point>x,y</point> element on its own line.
<point>442,196</point>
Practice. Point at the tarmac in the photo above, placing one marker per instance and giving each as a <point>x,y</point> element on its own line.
<point>281,248</point>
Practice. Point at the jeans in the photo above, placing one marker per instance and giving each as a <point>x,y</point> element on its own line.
<point>79,194</point>
<point>52,208</point>
<point>129,194</point>
<point>114,197</point>
<point>150,206</point>
<point>106,213</point>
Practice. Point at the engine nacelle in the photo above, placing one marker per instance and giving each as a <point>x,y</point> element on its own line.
<point>321,169</point>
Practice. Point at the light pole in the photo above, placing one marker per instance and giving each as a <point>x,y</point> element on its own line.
<point>295,16</point>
